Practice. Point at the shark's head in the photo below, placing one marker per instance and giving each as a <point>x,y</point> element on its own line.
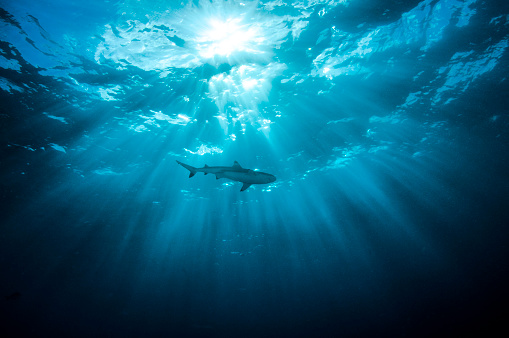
<point>268,178</point>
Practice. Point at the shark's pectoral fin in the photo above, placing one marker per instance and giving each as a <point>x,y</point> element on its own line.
<point>245,186</point>
<point>191,174</point>
<point>218,176</point>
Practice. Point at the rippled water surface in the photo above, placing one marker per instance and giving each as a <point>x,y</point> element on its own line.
<point>385,122</point>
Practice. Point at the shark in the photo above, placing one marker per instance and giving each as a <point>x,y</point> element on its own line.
<point>235,173</point>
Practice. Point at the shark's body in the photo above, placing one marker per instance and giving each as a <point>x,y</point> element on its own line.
<point>234,173</point>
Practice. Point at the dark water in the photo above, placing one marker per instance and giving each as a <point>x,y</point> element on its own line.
<point>385,122</point>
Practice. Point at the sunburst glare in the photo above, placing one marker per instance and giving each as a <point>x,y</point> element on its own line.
<point>223,38</point>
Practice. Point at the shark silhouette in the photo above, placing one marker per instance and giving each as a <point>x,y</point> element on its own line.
<point>234,173</point>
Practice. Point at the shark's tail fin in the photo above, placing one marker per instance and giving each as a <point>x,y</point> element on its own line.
<point>188,167</point>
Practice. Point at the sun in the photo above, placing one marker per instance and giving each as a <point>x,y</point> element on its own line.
<point>226,37</point>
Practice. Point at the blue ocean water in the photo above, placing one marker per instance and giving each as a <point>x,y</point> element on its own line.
<point>386,124</point>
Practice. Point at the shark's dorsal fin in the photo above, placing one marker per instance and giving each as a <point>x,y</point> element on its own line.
<point>236,165</point>
<point>206,166</point>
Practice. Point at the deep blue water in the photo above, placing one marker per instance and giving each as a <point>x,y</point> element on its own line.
<point>386,124</point>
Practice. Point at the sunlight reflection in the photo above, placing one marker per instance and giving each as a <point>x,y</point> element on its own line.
<point>238,95</point>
